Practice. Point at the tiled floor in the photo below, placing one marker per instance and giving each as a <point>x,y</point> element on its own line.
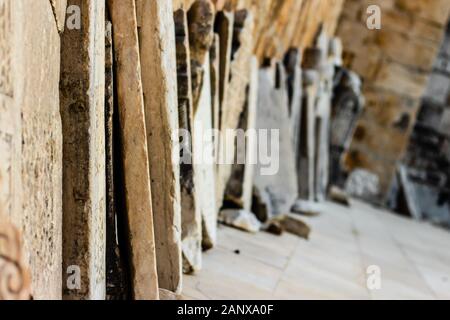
<point>413,257</point>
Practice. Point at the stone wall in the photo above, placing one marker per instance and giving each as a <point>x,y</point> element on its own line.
<point>394,62</point>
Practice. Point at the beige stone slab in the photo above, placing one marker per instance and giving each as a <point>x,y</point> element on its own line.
<point>191,219</point>
<point>234,94</point>
<point>159,79</point>
<point>224,28</point>
<point>204,168</point>
<point>82,94</point>
<point>240,185</point>
<point>35,63</point>
<point>141,239</point>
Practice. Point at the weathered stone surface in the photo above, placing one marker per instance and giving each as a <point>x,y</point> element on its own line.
<point>347,105</point>
<point>14,275</point>
<point>394,61</point>
<point>240,184</point>
<point>144,276</point>
<point>235,94</point>
<point>30,138</point>
<point>241,219</point>
<point>204,165</point>
<point>191,228</point>
<point>82,94</point>
<point>277,181</point>
<point>201,37</point>
<point>159,78</point>
<point>282,24</point>
<point>224,28</point>
<point>35,52</point>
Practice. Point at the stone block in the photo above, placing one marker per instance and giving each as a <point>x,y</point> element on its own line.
<point>82,101</point>
<point>159,80</point>
<point>138,197</point>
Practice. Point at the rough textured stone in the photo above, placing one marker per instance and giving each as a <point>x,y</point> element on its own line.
<point>159,78</point>
<point>82,94</point>
<point>141,239</point>
<point>191,228</point>
<point>201,37</point>
<point>204,165</point>
<point>395,61</point>
<point>14,58</point>
<point>224,28</point>
<point>35,52</point>
<point>235,94</point>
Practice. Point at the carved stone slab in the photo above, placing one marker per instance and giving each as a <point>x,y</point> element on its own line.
<point>14,276</point>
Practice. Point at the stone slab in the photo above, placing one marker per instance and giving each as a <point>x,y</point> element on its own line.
<point>133,133</point>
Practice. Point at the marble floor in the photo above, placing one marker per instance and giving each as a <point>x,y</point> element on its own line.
<point>353,253</point>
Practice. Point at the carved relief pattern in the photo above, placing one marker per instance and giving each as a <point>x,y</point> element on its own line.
<point>14,277</point>
<point>5,48</point>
